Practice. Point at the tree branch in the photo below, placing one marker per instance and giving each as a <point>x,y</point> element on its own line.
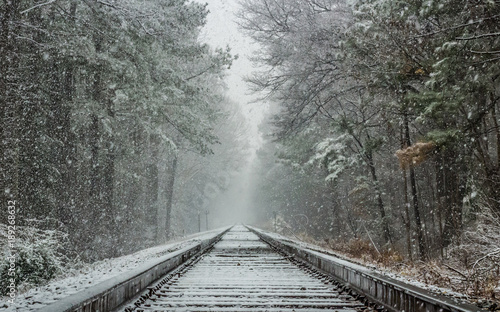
<point>479,36</point>
<point>38,5</point>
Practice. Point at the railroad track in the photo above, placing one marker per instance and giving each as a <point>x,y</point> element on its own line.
<point>242,273</point>
<point>246,269</point>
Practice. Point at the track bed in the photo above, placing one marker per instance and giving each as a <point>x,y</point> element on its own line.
<point>242,273</point>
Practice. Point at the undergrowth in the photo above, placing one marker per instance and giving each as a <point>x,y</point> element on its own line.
<point>471,266</point>
<point>40,255</point>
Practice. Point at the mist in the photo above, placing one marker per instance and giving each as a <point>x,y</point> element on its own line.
<point>234,206</point>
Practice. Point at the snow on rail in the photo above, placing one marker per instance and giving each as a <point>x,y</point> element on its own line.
<point>242,273</point>
<point>85,280</point>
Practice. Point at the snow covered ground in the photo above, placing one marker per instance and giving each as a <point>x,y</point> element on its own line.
<point>92,274</point>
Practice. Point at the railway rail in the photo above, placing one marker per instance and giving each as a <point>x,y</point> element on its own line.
<point>246,269</point>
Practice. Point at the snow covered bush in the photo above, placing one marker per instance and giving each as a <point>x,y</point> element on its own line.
<point>478,255</point>
<point>40,256</point>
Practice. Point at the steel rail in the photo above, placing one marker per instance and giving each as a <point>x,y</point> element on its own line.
<point>248,269</point>
<point>242,273</point>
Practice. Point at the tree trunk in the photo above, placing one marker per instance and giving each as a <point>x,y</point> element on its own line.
<point>109,171</point>
<point>34,161</point>
<point>440,224</point>
<point>497,130</point>
<point>95,210</point>
<point>406,219</point>
<point>67,158</point>
<point>170,195</point>
<point>94,156</point>
<point>416,212</point>
<point>450,188</point>
<point>95,133</point>
<point>109,220</point>
<point>378,194</point>
<point>152,185</point>
<point>414,195</point>
<point>10,123</point>
<point>495,177</point>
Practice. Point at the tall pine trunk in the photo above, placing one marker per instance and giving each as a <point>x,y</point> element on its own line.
<point>10,106</point>
<point>451,190</point>
<point>494,179</point>
<point>406,217</point>
<point>67,152</point>
<point>380,203</point>
<point>170,196</point>
<point>414,195</point>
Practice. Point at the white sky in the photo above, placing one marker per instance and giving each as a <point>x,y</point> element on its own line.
<point>221,30</point>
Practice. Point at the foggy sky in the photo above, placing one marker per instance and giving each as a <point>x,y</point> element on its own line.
<point>233,206</point>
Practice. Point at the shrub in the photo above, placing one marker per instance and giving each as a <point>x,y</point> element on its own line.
<point>40,256</point>
<point>34,265</point>
<point>363,249</point>
<point>478,255</point>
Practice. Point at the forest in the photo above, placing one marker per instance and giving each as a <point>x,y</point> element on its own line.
<point>383,138</point>
<point>386,128</point>
<point>108,109</point>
